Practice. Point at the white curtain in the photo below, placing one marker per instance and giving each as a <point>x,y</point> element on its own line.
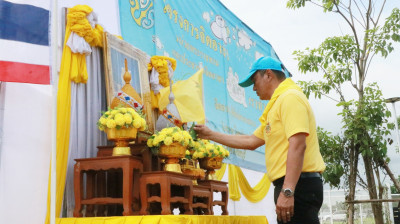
<point>87,102</point>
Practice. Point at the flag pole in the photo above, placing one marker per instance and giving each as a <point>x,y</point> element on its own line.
<point>54,82</point>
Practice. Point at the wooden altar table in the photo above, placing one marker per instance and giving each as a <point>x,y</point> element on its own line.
<point>91,166</point>
<point>166,180</point>
<point>217,186</point>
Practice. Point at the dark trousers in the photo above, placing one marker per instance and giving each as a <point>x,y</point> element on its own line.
<point>308,198</point>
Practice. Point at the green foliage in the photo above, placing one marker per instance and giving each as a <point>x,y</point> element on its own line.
<point>393,189</point>
<point>381,39</point>
<point>334,155</point>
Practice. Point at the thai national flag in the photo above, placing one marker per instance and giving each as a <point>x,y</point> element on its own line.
<point>24,41</point>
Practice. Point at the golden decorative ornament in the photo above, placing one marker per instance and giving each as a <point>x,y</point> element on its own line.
<point>210,164</point>
<point>172,153</point>
<point>121,137</point>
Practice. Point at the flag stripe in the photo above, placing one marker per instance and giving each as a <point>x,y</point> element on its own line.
<point>26,73</point>
<point>24,52</point>
<point>24,23</point>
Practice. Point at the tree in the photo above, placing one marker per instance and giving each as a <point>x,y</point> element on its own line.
<point>393,189</point>
<point>344,60</point>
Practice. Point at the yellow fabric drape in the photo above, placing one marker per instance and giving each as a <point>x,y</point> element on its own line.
<point>237,179</point>
<point>283,86</point>
<point>73,67</point>
<point>167,219</point>
<point>220,173</point>
<point>257,193</point>
<point>188,98</point>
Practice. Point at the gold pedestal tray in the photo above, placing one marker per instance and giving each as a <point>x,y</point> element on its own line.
<point>210,164</point>
<point>172,153</point>
<point>121,138</point>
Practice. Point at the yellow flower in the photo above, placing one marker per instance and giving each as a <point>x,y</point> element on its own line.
<point>107,113</point>
<point>123,110</point>
<point>120,121</point>
<point>103,121</point>
<point>128,118</point>
<point>187,152</point>
<point>168,131</point>
<point>143,125</point>
<point>114,112</point>
<point>131,110</point>
<point>150,142</point>
<point>168,141</point>
<point>186,142</point>
<point>111,124</point>
<point>177,137</point>
<point>137,123</point>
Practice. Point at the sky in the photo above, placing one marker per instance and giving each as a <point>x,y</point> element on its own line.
<point>288,30</point>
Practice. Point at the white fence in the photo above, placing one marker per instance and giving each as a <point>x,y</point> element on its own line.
<point>333,210</point>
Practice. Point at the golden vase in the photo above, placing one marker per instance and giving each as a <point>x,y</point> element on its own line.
<point>121,138</point>
<point>172,153</point>
<point>210,164</point>
<point>190,167</point>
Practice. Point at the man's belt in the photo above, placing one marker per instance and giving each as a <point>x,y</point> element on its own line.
<point>310,174</point>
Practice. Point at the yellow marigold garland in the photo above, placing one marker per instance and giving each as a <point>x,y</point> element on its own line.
<point>160,63</point>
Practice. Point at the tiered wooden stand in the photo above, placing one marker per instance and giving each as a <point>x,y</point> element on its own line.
<point>137,183</point>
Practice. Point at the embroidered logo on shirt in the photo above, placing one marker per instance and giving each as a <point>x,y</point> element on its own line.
<point>267,128</point>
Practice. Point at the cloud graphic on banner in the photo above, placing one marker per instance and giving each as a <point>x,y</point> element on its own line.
<point>258,55</point>
<point>235,91</point>
<point>157,42</point>
<point>219,29</point>
<point>206,17</point>
<point>244,40</point>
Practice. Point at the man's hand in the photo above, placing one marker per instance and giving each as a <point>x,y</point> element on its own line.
<point>203,131</point>
<point>284,208</point>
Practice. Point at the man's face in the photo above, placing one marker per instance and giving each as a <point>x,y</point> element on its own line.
<point>261,85</point>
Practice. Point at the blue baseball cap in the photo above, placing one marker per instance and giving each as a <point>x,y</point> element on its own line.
<point>261,64</point>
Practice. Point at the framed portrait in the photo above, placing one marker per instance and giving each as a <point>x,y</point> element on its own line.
<point>116,52</point>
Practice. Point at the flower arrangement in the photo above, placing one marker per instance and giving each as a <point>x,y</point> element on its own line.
<point>168,136</point>
<point>121,117</point>
<point>206,149</point>
<point>160,63</point>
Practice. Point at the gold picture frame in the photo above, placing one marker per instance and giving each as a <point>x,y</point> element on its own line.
<point>115,53</point>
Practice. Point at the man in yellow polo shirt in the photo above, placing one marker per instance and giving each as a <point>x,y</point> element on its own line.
<point>288,130</point>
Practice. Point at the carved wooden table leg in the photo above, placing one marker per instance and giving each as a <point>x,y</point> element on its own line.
<point>101,191</point>
<point>144,194</point>
<point>78,177</point>
<point>127,172</point>
<point>90,188</point>
<point>188,194</point>
<point>165,197</point>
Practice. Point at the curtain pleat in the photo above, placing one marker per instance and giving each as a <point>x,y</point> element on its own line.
<point>87,102</point>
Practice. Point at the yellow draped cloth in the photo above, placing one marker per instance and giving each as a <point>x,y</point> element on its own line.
<point>73,68</point>
<point>167,219</point>
<point>236,180</point>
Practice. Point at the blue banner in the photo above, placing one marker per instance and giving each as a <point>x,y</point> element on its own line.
<point>205,34</point>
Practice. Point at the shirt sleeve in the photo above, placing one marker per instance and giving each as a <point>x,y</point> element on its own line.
<point>259,132</point>
<point>295,116</point>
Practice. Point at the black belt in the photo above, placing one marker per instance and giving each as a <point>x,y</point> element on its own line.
<point>302,175</point>
<point>308,175</point>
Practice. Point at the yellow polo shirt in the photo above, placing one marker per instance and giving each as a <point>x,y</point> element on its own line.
<point>291,114</point>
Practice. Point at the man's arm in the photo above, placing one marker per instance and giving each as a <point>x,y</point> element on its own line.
<point>250,142</point>
<point>294,164</point>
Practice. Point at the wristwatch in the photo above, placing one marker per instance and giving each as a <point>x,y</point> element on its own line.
<point>287,192</point>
